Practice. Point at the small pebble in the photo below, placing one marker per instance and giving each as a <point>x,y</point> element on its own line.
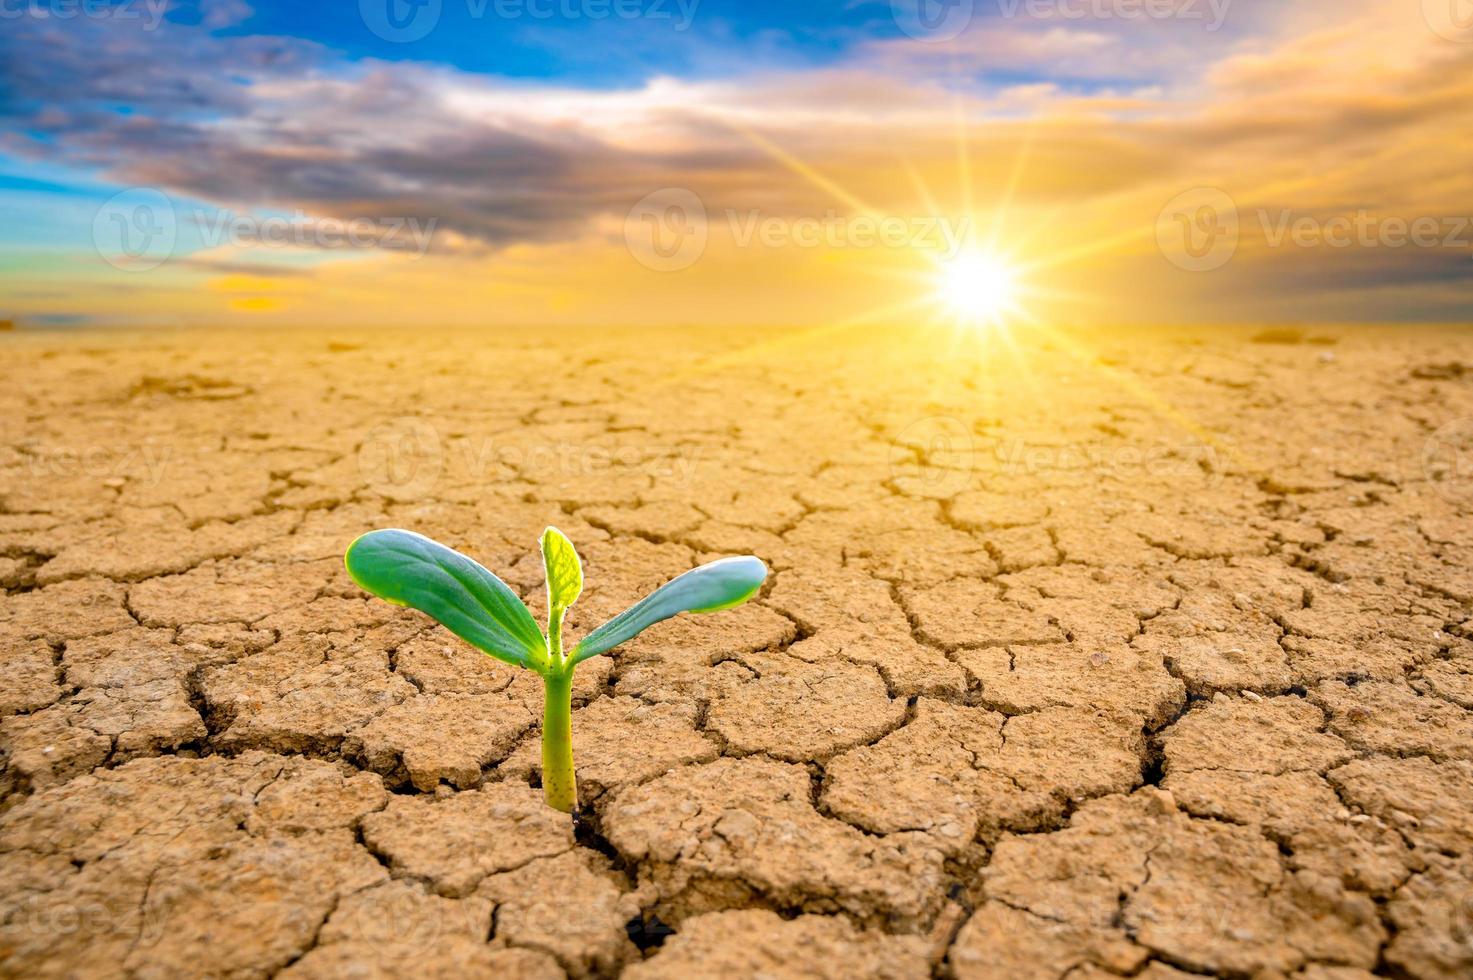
<point>1099,659</point>
<point>1327,357</point>
<point>1252,696</point>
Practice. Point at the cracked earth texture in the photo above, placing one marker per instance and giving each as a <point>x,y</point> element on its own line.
<point>1148,659</point>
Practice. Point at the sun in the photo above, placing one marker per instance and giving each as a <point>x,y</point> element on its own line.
<point>978,287</point>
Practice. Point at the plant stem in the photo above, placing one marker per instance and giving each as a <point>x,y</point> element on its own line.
<point>559,782</point>
<point>555,637</point>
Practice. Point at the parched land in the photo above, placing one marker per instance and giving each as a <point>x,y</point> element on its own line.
<point>1112,654</point>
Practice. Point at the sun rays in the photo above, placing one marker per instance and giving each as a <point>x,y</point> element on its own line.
<point>972,300</point>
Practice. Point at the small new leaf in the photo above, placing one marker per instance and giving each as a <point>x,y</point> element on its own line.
<point>710,588</point>
<point>564,569</point>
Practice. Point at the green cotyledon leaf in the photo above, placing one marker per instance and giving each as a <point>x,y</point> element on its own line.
<point>710,588</point>
<point>409,569</point>
<point>564,569</point>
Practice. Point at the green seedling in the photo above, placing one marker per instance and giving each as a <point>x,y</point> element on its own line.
<point>409,569</point>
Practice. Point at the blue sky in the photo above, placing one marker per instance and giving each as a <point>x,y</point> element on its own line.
<point>597,46</point>
<point>528,139</point>
<point>587,45</point>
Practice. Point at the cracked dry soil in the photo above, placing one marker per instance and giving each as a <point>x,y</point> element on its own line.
<point>1150,659</point>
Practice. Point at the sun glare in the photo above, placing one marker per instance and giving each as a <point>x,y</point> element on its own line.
<point>979,288</point>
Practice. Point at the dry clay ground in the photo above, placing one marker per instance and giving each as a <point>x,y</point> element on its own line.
<point>1150,658</point>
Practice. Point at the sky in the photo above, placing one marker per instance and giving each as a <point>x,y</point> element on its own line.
<point>734,162</point>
